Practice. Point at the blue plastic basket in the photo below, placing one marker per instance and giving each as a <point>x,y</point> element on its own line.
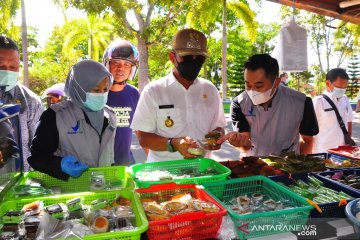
<point>328,209</point>
<point>346,172</point>
<point>350,211</point>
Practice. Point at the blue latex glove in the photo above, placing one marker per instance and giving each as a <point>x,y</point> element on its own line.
<point>72,166</point>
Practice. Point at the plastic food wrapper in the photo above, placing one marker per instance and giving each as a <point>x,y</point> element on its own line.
<point>97,181</point>
<point>227,229</point>
<point>51,228</point>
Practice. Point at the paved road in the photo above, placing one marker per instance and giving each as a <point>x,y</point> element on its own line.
<point>227,151</point>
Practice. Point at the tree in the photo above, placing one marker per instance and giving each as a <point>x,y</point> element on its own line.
<point>94,31</point>
<point>206,13</point>
<point>50,66</point>
<point>353,69</point>
<point>8,10</point>
<point>152,17</point>
<point>24,40</point>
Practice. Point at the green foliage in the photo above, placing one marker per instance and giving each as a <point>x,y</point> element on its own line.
<point>93,33</point>
<point>266,33</point>
<point>8,10</point>
<point>300,81</point>
<point>353,69</point>
<point>50,66</point>
<point>238,52</point>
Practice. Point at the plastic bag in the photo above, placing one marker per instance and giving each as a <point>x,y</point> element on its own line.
<point>52,228</point>
<point>227,229</point>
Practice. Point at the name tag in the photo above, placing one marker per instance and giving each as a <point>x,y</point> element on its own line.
<point>328,109</point>
<point>166,106</point>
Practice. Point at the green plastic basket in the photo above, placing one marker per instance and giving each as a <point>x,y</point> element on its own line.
<point>80,184</point>
<point>141,220</point>
<point>175,167</point>
<point>265,223</point>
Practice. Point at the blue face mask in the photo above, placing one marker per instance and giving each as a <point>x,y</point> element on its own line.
<point>8,79</point>
<point>96,101</point>
<point>338,92</point>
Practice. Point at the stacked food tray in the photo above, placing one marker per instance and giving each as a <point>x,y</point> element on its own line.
<point>258,224</point>
<point>178,168</point>
<point>331,207</point>
<point>140,223</point>
<point>94,179</point>
<point>188,225</point>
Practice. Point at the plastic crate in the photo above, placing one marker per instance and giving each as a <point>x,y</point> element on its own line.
<point>175,166</point>
<point>329,210</point>
<point>346,172</point>
<point>257,224</point>
<point>195,225</point>
<point>80,184</point>
<point>141,221</point>
<point>350,211</point>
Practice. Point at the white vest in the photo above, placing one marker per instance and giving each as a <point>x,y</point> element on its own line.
<point>80,139</point>
<point>276,130</point>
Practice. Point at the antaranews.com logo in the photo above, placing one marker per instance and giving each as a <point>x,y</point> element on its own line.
<point>302,230</point>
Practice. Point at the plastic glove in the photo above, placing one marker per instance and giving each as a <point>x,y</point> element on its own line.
<point>72,166</point>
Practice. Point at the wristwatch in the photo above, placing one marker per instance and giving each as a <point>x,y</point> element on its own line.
<point>169,146</point>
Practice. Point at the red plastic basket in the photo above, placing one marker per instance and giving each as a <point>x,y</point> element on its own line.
<point>196,225</point>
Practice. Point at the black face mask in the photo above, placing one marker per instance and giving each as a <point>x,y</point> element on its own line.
<point>190,67</point>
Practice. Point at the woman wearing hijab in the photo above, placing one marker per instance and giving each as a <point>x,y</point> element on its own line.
<point>79,132</point>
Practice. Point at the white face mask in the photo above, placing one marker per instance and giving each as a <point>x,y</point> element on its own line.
<point>8,79</point>
<point>260,97</point>
<point>338,92</point>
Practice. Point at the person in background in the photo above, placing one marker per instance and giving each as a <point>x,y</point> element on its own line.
<point>330,134</point>
<point>53,94</point>
<point>12,92</point>
<point>181,107</point>
<point>77,133</point>
<point>269,118</point>
<point>284,78</point>
<point>121,59</point>
<point>357,109</point>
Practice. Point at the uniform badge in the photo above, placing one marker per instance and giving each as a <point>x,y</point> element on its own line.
<point>205,96</point>
<point>169,122</point>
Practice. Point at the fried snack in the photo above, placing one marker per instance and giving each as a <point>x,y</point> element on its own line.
<point>147,200</point>
<point>174,207</point>
<point>156,217</point>
<point>121,201</point>
<point>207,207</point>
<point>155,209</point>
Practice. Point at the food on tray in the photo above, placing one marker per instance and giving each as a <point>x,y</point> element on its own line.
<point>155,209</point>
<point>55,211</point>
<point>74,204</point>
<point>99,204</point>
<point>156,217</point>
<point>13,216</point>
<point>352,180</point>
<point>121,201</point>
<point>179,204</point>
<point>100,225</point>
<point>31,224</point>
<point>257,203</point>
<point>181,173</point>
<point>250,166</point>
<point>207,207</point>
<point>173,206</point>
<point>341,163</point>
<point>314,189</point>
<point>33,208</point>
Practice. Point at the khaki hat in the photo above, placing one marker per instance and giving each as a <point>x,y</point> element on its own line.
<point>190,42</point>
